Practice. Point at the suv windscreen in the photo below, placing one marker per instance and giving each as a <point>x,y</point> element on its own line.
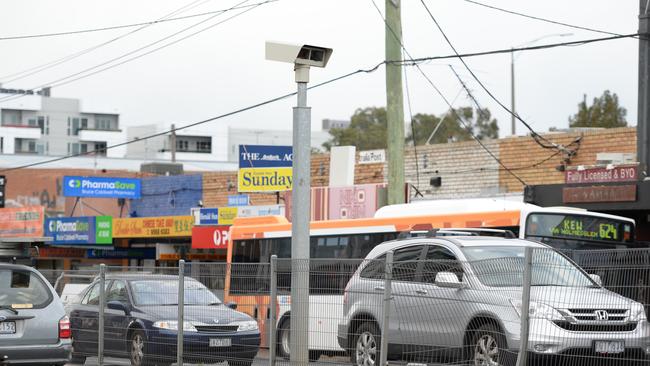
<point>23,289</point>
<point>504,267</point>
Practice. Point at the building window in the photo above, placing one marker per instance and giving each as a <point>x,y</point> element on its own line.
<point>204,146</point>
<point>47,125</point>
<point>100,148</point>
<point>68,131</point>
<point>182,145</point>
<point>84,123</point>
<point>75,126</point>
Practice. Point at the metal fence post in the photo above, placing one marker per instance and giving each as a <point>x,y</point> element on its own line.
<point>181,311</point>
<point>100,320</point>
<point>522,358</point>
<point>388,279</point>
<point>272,310</point>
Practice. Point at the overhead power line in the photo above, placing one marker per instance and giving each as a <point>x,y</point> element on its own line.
<point>50,64</point>
<point>541,140</point>
<point>163,133</point>
<point>542,19</point>
<point>89,71</point>
<point>132,25</point>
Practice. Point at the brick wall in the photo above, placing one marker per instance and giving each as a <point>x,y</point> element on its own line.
<point>521,153</point>
<point>27,187</point>
<point>168,195</point>
<point>217,186</point>
<point>465,168</point>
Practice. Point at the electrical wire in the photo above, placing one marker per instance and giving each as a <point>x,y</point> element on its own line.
<point>80,75</point>
<point>92,30</point>
<point>542,19</point>
<point>48,65</point>
<point>517,49</point>
<point>489,152</point>
<point>541,140</point>
<point>228,114</point>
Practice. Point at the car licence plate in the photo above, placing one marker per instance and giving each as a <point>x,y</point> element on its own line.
<point>609,347</point>
<point>7,327</point>
<point>220,342</point>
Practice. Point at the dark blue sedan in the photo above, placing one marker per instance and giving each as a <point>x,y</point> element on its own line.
<point>141,323</point>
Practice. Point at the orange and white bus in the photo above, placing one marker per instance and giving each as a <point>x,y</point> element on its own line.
<point>338,246</point>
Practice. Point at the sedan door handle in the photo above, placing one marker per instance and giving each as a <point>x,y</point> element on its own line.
<point>379,288</point>
<point>421,292</point>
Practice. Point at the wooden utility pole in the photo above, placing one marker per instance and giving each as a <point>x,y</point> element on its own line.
<point>394,102</point>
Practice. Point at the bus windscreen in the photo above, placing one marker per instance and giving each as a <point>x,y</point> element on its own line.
<point>579,227</point>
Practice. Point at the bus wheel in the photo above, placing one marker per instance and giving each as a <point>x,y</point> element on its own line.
<point>284,339</point>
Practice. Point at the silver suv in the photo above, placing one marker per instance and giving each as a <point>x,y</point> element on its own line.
<point>459,298</point>
<point>34,328</point>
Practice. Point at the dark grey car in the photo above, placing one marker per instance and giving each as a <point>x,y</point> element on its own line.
<point>34,328</point>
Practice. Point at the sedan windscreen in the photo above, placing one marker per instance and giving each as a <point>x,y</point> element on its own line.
<point>165,292</point>
<point>504,267</point>
<point>23,289</point>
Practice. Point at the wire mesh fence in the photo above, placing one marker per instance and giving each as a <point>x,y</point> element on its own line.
<point>419,304</point>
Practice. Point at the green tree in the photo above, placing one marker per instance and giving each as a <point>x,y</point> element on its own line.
<point>478,123</point>
<point>604,112</point>
<point>367,130</point>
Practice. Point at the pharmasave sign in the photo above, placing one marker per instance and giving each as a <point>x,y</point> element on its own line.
<point>101,187</point>
<point>265,168</point>
<point>80,230</point>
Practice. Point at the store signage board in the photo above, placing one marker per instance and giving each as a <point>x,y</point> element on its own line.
<point>266,210</point>
<point>21,221</point>
<point>264,168</point>
<point>602,175</point>
<point>622,193</point>
<point>153,227</point>
<point>238,200</point>
<point>210,237</point>
<point>79,230</point>
<point>101,187</point>
<point>372,156</point>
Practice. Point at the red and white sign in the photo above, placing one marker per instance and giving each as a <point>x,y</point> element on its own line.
<point>210,237</point>
<point>602,175</point>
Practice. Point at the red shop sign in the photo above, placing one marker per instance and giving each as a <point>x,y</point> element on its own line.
<point>210,237</point>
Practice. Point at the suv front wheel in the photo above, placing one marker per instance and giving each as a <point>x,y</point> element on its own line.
<point>365,345</point>
<point>487,345</point>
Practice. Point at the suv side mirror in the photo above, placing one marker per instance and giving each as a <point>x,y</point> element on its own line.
<point>596,278</point>
<point>118,305</point>
<point>232,305</point>
<point>448,280</point>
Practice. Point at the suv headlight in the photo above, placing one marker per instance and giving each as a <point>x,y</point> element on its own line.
<point>173,325</point>
<point>537,310</point>
<point>637,313</point>
<point>245,325</point>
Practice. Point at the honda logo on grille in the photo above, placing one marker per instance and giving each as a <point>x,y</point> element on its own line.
<point>601,315</point>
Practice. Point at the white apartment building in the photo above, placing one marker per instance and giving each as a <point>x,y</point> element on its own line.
<point>44,125</point>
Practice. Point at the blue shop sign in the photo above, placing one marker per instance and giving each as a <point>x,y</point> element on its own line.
<point>238,200</point>
<point>209,216</point>
<point>130,253</point>
<point>101,187</point>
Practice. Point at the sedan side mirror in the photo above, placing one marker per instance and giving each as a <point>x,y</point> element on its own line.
<point>232,305</point>
<point>118,305</point>
<point>596,278</point>
<point>448,280</point>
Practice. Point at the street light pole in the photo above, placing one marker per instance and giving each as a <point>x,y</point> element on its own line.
<point>513,118</point>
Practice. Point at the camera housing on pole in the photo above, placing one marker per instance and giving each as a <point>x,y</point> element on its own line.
<point>302,56</point>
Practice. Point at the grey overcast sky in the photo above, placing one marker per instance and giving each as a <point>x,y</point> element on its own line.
<point>223,68</point>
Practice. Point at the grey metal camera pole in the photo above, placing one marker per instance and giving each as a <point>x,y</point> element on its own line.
<point>522,360</point>
<point>388,293</point>
<point>300,199</point>
<point>181,312</point>
<point>272,312</point>
<point>100,320</point>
